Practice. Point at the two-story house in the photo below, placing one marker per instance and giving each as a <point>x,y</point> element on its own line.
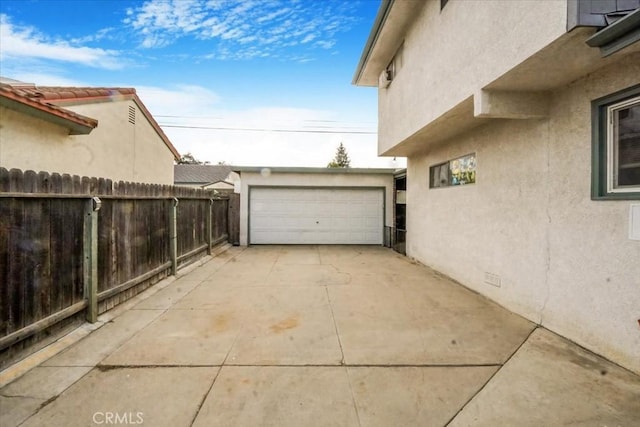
<point>521,124</point>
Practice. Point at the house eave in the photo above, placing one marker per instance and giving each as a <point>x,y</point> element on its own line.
<point>387,34</point>
<point>73,122</point>
<point>381,17</point>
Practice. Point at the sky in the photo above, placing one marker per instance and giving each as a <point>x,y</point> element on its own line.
<point>245,82</point>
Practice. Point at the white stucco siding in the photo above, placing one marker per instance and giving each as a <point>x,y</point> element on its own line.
<point>136,152</point>
<point>28,143</point>
<point>308,180</point>
<point>563,259</point>
<point>594,278</point>
<point>448,55</point>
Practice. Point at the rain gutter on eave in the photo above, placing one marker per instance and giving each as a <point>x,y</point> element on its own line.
<point>381,18</point>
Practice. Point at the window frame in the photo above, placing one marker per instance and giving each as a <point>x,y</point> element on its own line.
<point>447,164</point>
<point>602,156</point>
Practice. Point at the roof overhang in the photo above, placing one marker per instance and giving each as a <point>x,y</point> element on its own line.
<point>387,34</point>
<point>75,123</point>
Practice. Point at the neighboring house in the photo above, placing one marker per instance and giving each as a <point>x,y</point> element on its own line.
<point>101,132</point>
<point>535,107</point>
<point>218,177</point>
<point>292,205</point>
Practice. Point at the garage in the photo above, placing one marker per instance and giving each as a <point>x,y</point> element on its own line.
<point>299,215</point>
<point>300,205</point>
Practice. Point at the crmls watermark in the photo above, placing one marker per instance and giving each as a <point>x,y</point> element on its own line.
<point>118,418</point>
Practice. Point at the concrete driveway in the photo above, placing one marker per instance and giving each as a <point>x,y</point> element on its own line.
<point>318,336</point>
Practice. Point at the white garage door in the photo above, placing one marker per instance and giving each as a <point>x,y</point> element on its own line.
<point>315,216</point>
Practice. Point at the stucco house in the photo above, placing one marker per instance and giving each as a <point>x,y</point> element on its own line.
<point>521,124</point>
<point>217,177</point>
<point>102,132</point>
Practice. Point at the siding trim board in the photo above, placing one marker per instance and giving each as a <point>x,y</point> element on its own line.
<point>599,166</point>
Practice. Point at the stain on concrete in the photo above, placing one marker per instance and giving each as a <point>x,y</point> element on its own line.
<point>221,322</point>
<point>286,324</point>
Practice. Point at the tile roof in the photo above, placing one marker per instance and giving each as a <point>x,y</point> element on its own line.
<point>15,98</point>
<point>59,94</point>
<point>52,95</point>
<point>200,174</point>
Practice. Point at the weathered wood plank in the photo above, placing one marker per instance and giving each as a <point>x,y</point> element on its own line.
<point>41,240</point>
<point>17,260</point>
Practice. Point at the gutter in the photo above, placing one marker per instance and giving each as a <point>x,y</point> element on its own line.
<point>618,35</point>
<point>381,18</point>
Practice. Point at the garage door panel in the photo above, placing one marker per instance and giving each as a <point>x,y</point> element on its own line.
<point>308,216</point>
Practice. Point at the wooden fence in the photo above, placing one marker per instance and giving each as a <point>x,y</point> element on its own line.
<point>74,246</point>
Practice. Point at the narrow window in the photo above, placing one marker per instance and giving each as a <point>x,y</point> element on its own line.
<point>616,146</point>
<point>458,171</point>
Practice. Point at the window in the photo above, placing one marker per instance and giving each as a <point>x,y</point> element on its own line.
<point>391,70</point>
<point>616,146</point>
<point>458,171</point>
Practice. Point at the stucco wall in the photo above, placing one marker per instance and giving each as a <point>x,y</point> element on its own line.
<point>26,141</point>
<point>564,260</point>
<point>249,179</point>
<point>116,149</point>
<point>468,45</point>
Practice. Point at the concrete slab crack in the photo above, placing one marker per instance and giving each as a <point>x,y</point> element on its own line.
<point>491,377</point>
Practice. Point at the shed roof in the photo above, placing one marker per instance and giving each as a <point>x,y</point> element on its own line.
<point>200,174</point>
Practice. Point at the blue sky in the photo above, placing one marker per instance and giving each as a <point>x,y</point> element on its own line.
<point>240,64</point>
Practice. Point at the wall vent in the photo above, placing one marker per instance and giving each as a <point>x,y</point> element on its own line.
<point>132,115</point>
<point>492,279</point>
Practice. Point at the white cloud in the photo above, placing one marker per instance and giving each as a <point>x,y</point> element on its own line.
<point>183,100</point>
<point>26,42</point>
<point>196,107</point>
<point>237,25</point>
<point>308,38</point>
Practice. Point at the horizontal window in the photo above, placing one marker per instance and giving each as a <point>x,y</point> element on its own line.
<point>458,171</point>
<point>616,146</point>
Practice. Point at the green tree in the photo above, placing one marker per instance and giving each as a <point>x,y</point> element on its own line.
<point>189,159</point>
<point>341,159</point>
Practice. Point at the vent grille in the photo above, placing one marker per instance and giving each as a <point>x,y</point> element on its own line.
<point>132,115</point>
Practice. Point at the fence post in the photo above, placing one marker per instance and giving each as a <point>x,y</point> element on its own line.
<point>209,226</point>
<point>90,260</point>
<point>173,236</point>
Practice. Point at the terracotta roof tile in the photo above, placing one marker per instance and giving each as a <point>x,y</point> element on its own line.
<point>70,118</point>
<point>57,93</point>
